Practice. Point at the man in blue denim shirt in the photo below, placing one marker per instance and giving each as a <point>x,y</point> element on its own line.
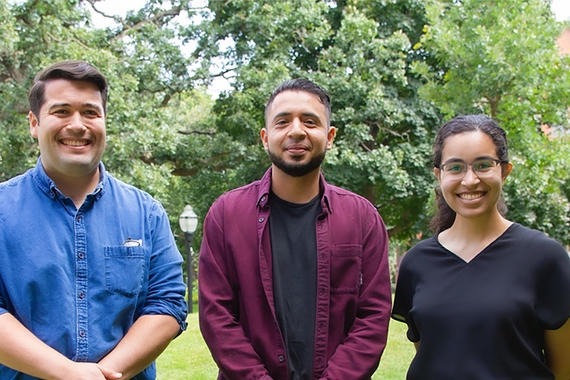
<point>90,278</point>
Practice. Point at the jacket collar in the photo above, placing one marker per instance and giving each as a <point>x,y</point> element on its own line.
<point>264,189</point>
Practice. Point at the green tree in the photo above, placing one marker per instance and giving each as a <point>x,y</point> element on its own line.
<point>373,56</point>
<point>155,108</point>
<point>360,51</point>
<point>500,58</point>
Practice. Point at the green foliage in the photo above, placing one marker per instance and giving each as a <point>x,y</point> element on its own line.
<point>384,129</point>
<point>503,61</point>
<point>392,69</point>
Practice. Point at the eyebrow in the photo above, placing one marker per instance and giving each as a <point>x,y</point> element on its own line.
<point>305,114</point>
<point>454,159</point>
<point>84,105</point>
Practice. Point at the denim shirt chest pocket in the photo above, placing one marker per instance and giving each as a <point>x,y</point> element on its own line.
<point>346,268</point>
<point>124,269</point>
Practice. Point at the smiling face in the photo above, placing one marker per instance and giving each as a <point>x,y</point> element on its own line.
<point>297,134</point>
<point>70,129</point>
<point>471,196</point>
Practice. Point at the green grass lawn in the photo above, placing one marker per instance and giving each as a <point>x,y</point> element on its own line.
<point>188,358</point>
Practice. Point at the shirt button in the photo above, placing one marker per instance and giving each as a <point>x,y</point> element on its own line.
<point>80,255</point>
<point>261,219</point>
<point>281,358</point>
<point>79,218</point>
<point>82,334</point>
<point>81,295</point>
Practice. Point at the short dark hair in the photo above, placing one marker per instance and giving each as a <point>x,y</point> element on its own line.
<point>69,70</point>
<point>445,216</point>
<point>304,85</point>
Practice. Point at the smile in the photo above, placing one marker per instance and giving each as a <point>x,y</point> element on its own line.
<point>296,149</point>
<point>75,142</point>
<point>471,196</point>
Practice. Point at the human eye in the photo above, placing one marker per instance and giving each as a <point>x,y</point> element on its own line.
<point>311,122</point>
<point>91,113</point>
<point>59,111</point>
<point>483,165</point>
<point>454,167</point>
<point>281,122</point>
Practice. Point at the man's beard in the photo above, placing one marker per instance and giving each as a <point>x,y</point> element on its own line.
<point>297,169</point>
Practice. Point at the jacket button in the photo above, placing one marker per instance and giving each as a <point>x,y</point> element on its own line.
<point>261,220</point>
<point>281,358</point>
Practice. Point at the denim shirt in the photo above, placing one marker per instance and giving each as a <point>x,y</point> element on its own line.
<point>79,278</point>
<point>237,311</point>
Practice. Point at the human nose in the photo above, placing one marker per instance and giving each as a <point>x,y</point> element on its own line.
<point>470,177</point>
<point>296,131</point>
<point>75,121</point>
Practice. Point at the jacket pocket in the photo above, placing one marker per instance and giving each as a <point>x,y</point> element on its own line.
<point>346,268</point>
<point>124,270</point>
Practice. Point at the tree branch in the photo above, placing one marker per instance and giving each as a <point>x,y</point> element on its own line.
<point>112,17</point>
<point>159,16</point>
<point>197,132</point>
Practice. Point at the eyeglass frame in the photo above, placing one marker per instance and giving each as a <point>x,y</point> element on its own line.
<point>464,172</point>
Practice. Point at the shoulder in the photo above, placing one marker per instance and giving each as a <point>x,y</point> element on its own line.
<point>15,185</point>
<point>534,250</point>
<point>240,204</point>
<point>342,198</point>
<point>238,198</point>
<point>120,186</point>
<point>532,240</point>
<point>129,195</point>
<point>419,253</point>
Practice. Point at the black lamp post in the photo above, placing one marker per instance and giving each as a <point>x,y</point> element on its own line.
<point>188,224</point>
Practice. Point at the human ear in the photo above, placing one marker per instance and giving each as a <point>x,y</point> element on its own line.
<point>437,173</point>
<point>263,135</point>
<point>34,124</point>
<point>506,170</point>
<point>331,133</point>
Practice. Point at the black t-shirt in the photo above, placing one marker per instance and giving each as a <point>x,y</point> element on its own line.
<point>294,252</point>
<point>484,319</point>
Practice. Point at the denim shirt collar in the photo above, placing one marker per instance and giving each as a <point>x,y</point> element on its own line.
<point>265,187</point>
<point>46,184</point>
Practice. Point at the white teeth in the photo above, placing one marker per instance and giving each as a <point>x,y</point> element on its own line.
<point>74,142</point>
<point>471,196</point>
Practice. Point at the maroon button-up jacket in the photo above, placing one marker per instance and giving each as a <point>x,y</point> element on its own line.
<point>237,313</point>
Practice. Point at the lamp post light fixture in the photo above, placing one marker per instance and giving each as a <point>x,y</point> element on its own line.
<point>188,223</point>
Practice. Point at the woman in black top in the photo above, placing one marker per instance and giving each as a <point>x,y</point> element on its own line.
<point>485,298</point>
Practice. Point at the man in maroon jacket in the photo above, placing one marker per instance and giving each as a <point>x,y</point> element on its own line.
<point>294,280</point>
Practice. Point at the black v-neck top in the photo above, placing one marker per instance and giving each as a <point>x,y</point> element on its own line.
<point>483,319</point>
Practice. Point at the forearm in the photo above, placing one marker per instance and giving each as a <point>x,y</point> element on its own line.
<point>557,346</point>
<point>24,352</point>
<point>144,342</point>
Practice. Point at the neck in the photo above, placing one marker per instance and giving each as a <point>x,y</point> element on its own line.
<point>295,189</point>
<point>76,188</point>
<point>492,225</point>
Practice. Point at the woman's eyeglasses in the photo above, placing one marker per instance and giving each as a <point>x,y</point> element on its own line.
<point>481,167</point>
